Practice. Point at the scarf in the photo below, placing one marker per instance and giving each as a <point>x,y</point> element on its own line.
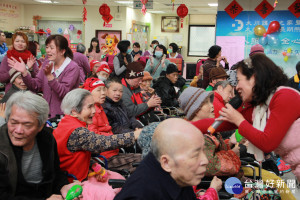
<point>260,116</point>
<point>17,54</point>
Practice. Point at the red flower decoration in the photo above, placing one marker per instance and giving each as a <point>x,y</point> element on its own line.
<point>79,32</point>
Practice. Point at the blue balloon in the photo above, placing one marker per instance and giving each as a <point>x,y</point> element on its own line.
<point>273,40</point>
<point>263,41</point>
<point>59,30</point>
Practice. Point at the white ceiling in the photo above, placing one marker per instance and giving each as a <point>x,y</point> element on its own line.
<point>195,6</point>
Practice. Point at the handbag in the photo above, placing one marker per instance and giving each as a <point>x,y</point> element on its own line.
<point>222,162</point>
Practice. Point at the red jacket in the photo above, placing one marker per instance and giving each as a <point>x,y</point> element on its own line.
<point>76,163</point>
<point>101,126</point>
<point>218,104</point>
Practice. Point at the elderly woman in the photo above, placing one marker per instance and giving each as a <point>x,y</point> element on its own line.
<point>75,142</point>
<point>58,76</point>
<point>19,51</point>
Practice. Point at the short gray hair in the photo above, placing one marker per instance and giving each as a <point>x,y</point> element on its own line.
<point>29,102</point>
<point>74,100</point>
<point>80,48</point>
<point>221,83</point>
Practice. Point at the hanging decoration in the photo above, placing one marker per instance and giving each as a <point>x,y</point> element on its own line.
<point>144,10</point>
<point>59,31</point>
<point>66,32</point>
<point>173,4</point>
<point>78,34</point>
<point>84,12</point>
<point>48,32</point>
<point>182,12</point>
<point>234,9</point>
<point>71,27</point>
<point>35,18</point>
<point>41,32</point>
<point>275,3</point>
<point>264,9</point>
<point>295,8</point>
<point>286,54</point>
<point>104,10</point>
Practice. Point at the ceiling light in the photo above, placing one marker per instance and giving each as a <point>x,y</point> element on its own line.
<point>46,1</point>
<point>125,2</point>
<point>213,4</point>
<point>156,11</point>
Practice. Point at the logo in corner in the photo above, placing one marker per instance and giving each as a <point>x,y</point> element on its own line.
<point>233,186</point>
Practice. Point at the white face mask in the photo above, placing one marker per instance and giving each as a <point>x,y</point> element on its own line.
<point>102,78</point>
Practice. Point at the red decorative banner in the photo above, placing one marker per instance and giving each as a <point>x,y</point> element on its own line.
<point>264,9</point>
<point>107,18</point>
<point>295,8</point>
<point>234,9</point>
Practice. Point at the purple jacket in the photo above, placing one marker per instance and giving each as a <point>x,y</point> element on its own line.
<point>4,75</point>
<point>55,90</point>
<point>83,63</point>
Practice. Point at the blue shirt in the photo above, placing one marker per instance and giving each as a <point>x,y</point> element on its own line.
<point>3,50</point>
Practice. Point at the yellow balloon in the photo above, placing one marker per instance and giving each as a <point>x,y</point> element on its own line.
<point>286,58</point>
<point>259,30</point>
<point>289,50</point>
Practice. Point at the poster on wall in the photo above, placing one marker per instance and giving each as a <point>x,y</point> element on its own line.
<point>108,41</point>
<point>275,44</point>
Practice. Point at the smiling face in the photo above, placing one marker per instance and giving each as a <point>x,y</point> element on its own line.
<point>206,111</point>
<point>19,43</point>
<point>54,53</point>
<point>245,86</point>
<point>88,110</point>
<point>99,94</point>
<point>115,91</point>
<point>22,128</point>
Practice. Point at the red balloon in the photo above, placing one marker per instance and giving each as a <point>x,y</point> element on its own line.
<point>104,10</point>
<point>182,10</point>
<point>274,26</point>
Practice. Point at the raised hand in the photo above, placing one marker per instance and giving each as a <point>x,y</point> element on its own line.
<point>17,65</point>
<point>30,62</point>
<point>47,71</point>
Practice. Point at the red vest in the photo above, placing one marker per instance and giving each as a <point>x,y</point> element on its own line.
<point>76,163</point>
<point>101,126</point>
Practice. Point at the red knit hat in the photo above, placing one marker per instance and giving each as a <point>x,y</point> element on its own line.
<point>104,68</point>
<point>93,63</point>
<point>92,83</point>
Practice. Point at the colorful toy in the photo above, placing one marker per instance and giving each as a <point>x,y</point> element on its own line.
<point>100,171</point>
<point>74,192</point>
<point>110,44</point>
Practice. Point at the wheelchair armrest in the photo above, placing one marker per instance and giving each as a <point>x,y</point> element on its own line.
<point>247,159</point>
<point>224,195</point>
<point>244,162</point>
<point>116,183</point>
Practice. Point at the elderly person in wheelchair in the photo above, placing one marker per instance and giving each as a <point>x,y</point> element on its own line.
<point>168,171</point>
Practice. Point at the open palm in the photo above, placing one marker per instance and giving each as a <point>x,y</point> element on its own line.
<point>17,65</point>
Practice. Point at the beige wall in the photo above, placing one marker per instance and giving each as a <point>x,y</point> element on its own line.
<point>11,19</point>
<point>94,22</point>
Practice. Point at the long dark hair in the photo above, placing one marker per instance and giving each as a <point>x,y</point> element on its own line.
<point>32,48</point>
<point>268,76</point>
<point>91,46</point>
<point>62,43</point>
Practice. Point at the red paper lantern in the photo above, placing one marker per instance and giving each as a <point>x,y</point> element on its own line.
<point>182,12</point>
<point>104,10</point>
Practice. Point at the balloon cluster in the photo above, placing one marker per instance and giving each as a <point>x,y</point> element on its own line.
<point>287,54</point>
<point>269,36</point>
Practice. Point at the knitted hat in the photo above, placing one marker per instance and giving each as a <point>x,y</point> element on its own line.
<point>256,49</point>
<point>171,68</point>
<point>145,138</point>
<point>93,63</point>
<point>147,76</point>
<point>92,83</point>
<point>191,100</point>
<point>134,70</point>
<point>213,51</point>
<point>13,74</point>
<point>105,68</point>
<point>217,72</point>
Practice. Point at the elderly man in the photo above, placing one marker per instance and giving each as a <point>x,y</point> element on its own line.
<point>175,164</point>
<point>29,163</point>
<point>132,97</point>
<point>223,92</point>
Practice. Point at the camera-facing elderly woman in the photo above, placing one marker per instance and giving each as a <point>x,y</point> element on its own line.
<point>58,76</point>
<point>75,142</point>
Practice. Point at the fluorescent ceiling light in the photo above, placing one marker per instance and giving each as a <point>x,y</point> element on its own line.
<point>46,1</point>
<point>213,4</point>
<point>156,11</point>
<point>124,2</point>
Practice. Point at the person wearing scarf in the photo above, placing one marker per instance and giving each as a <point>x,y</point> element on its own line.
<point>20,53</point>
<point>58,76</point>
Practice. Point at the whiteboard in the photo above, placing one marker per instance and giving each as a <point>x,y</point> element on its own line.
<point>201,38</point>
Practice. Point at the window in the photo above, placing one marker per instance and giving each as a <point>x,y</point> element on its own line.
<point>201,38</point>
